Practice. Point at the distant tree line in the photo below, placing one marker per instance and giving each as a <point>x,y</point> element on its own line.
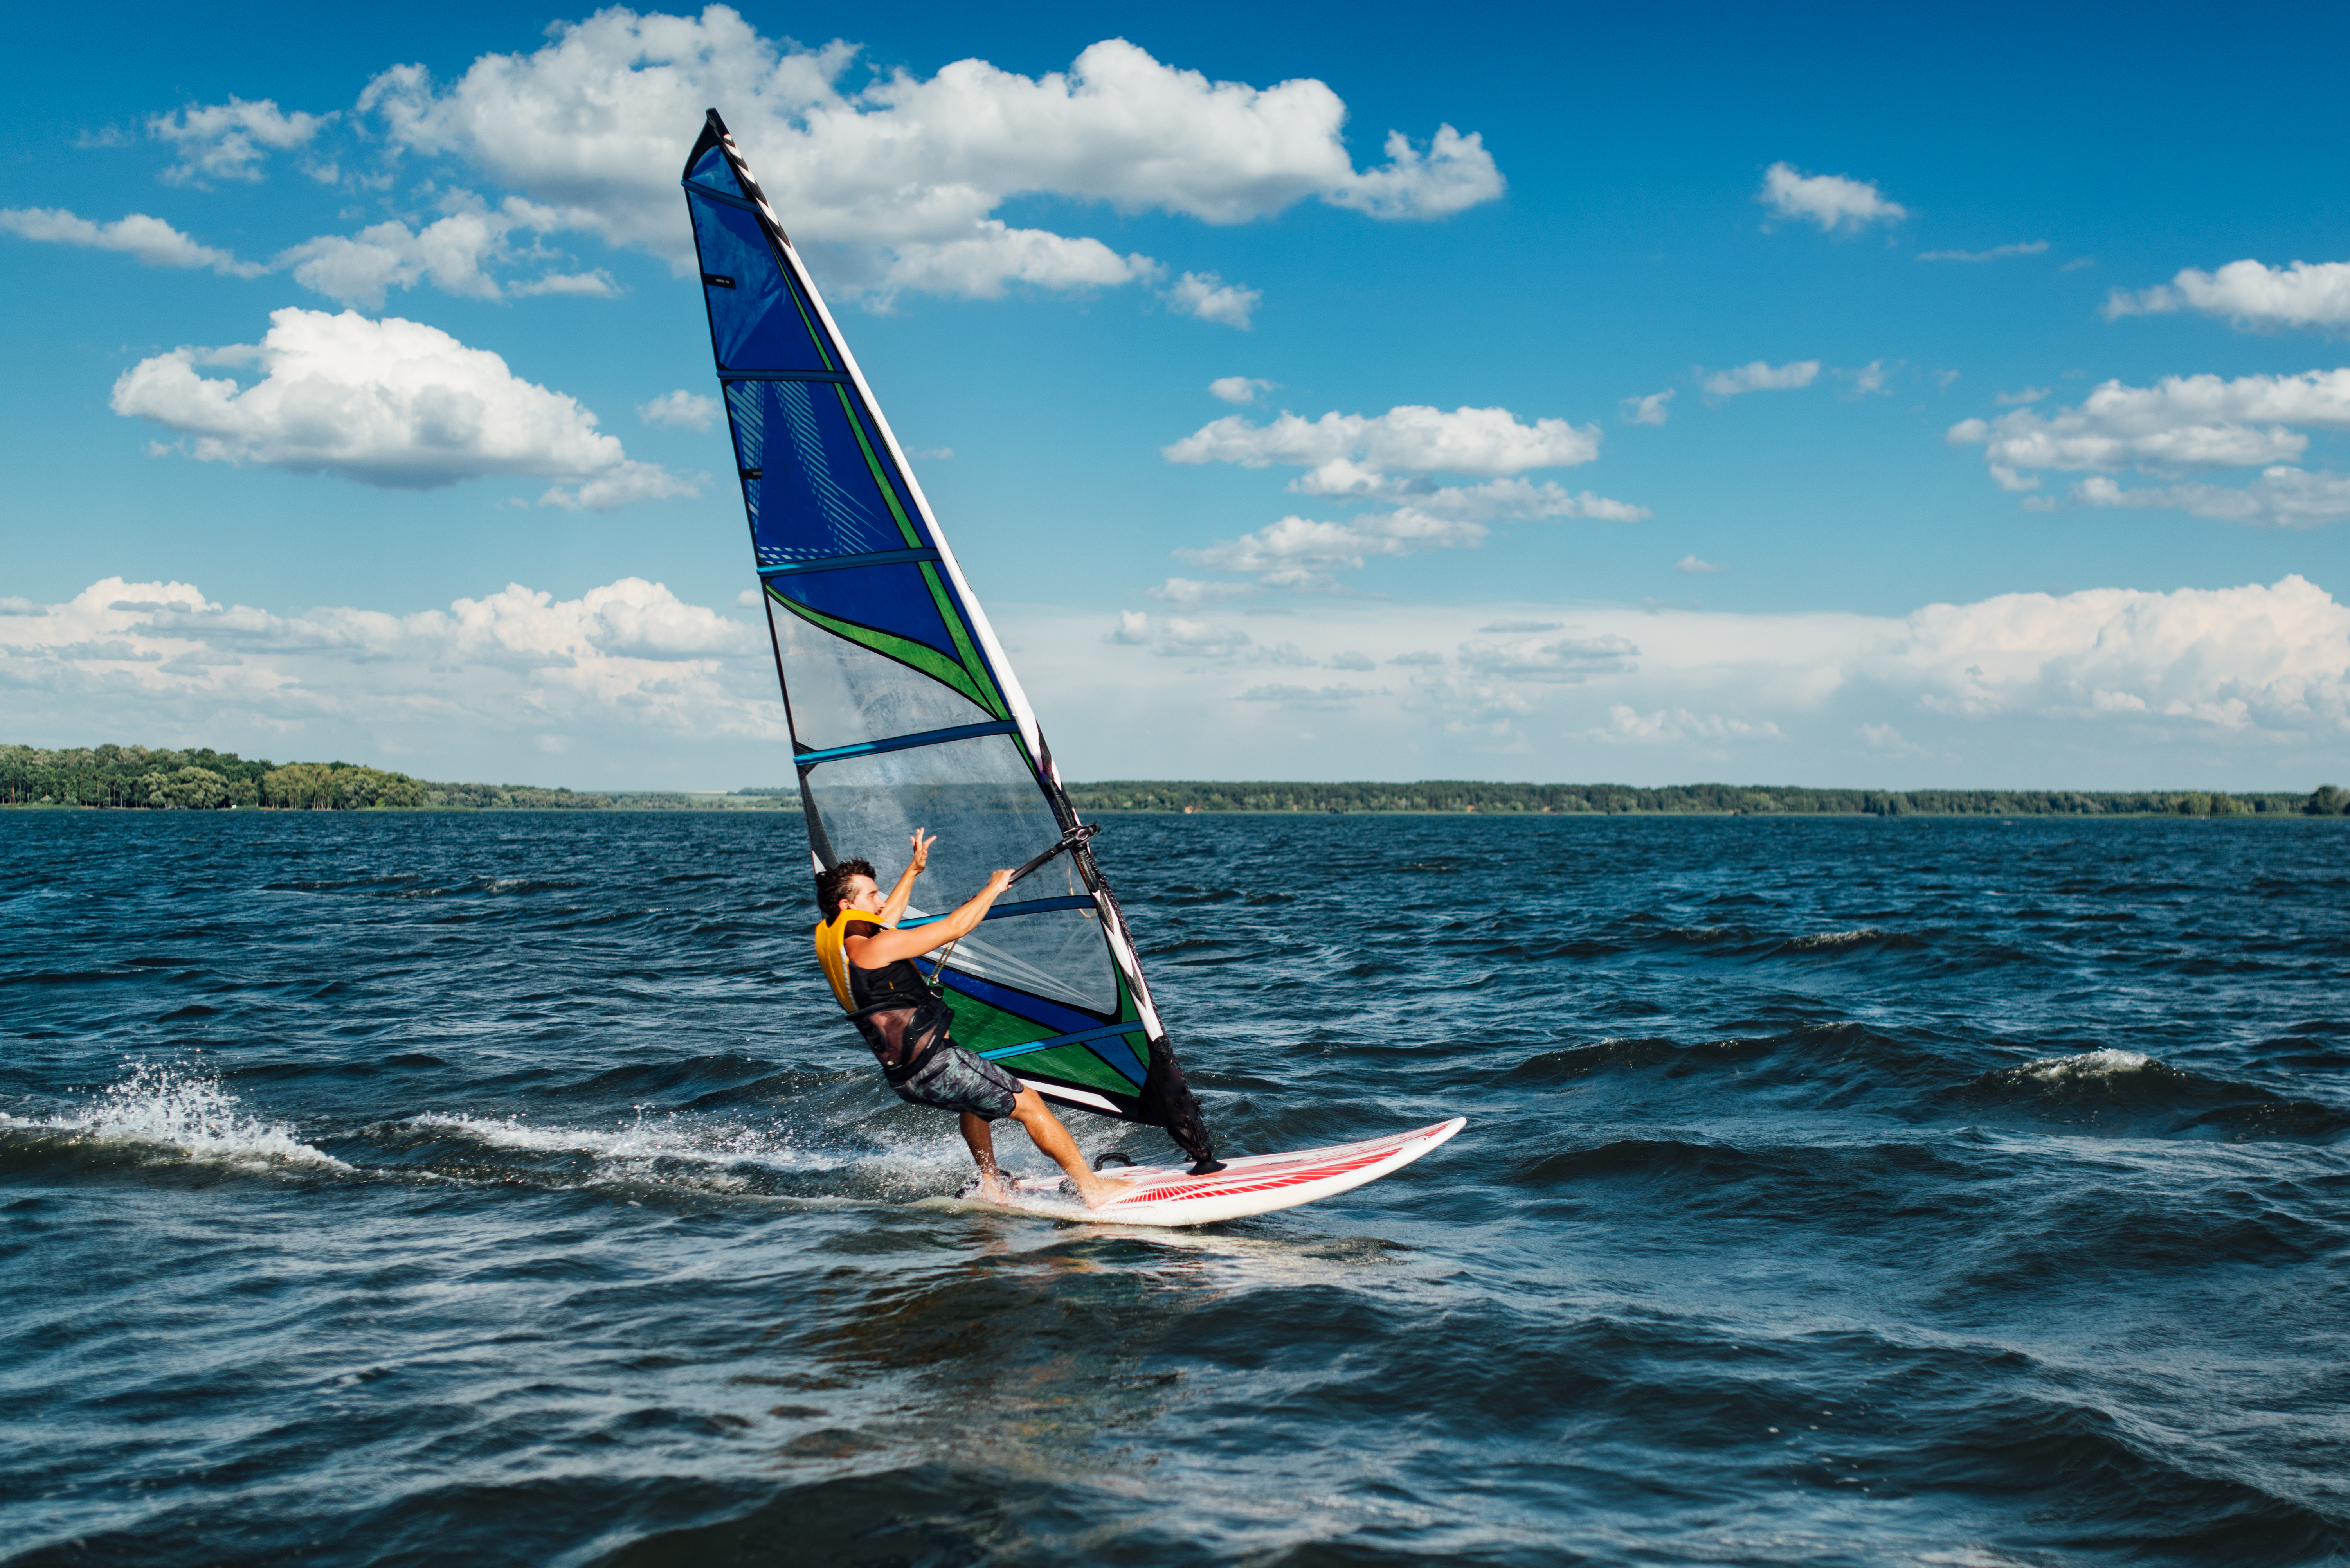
<point>1453,795</point>
<point>203,780</point>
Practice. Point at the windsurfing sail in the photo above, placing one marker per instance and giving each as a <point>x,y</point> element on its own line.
<point>904,712</point>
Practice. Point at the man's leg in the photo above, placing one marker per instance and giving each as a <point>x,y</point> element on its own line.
<point>977,1133</point>
<point>1031,1111</point>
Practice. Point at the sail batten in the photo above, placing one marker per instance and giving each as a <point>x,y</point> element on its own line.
<point>907,743</point>
<point>905,711</point>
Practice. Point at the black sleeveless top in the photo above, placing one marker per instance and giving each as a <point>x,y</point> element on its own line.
<point>897,1013</point>
<point>895,983</point>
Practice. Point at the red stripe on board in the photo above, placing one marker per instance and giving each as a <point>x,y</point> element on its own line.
<point>1209,1187</point>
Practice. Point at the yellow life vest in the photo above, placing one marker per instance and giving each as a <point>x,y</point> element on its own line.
<point>832,951</point>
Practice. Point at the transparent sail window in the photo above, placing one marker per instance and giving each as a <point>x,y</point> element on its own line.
<point>978,796</point>
<point>1060,956</point>
<point>840,692</point>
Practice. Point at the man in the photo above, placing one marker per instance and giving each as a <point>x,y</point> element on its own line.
<point>870,965</point>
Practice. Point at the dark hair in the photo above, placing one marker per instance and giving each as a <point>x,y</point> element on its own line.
<point>832,886</point>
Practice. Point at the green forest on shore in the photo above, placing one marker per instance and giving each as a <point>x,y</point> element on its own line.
<point>138,777</point>
<point>1703,799</point>
<point>204,780</point>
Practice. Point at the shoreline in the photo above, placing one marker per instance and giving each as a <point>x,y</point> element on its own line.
<point>112,777</point>
<point>1099,812</point>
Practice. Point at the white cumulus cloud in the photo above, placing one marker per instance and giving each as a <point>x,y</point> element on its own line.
<point>1301,552</point>
<point>1207,296</point>
<point>1758,376</point>
<point>1408,439</point>
<point>1388,458</point>
<point>1189,593</point>
<point>1648,410</point>
<point>1566,658</point>
<point>230,140</point>
<point>1627,726</point>
<point>682,409</point>
<point>1306,698</point>
<point>1179,637</point>
<point>629,657</point>
<point>980,265</point>
<point>898,182</point>
<point>2281,497</point>
<point>2100,688</point>
<point>2240,659</point>
<point>392,403</point>
<point>454,254</point>
<point>144,239</point>
<point>1832,200</point>
<point>1238,389</point>
<point>2248,294</point>
<point>2177,426</point>
<point>1867,380</point>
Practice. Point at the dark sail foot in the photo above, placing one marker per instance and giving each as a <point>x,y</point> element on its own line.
<point>1168,1101</point>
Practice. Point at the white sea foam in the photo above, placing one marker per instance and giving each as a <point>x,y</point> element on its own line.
<point>176,1107</point>
<point>639,1144</point>
<point>1834,941</point>
<point>2106,1064</point>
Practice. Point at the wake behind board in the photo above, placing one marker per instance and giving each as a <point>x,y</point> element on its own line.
<point>1248,1184</point>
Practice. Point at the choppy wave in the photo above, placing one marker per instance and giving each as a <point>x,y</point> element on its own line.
<point>172,1109</point>
<point>1846,941</point>
<point>2127,1092</point>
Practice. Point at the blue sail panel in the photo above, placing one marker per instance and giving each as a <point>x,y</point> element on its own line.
<point>757,321</point>
<point>815,478</point>
<point>710,171</point>
<point>885,598</point>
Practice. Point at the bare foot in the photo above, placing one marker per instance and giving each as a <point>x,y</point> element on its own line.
<point>992,1190</point>
<point>1095,1190</point>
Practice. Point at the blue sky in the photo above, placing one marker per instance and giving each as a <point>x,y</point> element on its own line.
<point>2003,442</point>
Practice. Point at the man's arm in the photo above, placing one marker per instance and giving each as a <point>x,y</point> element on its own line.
<point>884,947</point>
<point>903,893</point>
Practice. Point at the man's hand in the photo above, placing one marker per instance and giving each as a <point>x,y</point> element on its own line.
<point>921,843</point>
<point>888,947</point>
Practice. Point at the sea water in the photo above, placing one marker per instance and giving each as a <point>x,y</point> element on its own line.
<point>506,1189</point>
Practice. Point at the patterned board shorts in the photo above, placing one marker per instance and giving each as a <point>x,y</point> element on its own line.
<point>953,1079</point>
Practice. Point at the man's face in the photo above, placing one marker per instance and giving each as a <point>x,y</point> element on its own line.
<point>864,893</point>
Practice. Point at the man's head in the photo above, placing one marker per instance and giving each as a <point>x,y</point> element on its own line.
<point>849,882</point>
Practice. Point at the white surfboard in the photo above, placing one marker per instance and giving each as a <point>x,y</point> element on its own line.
<point>1248,1184</point>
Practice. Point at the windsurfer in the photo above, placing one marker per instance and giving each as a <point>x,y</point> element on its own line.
<point>870,962</point>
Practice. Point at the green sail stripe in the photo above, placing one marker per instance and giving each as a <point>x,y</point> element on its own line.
<point>880,475</point>
<point>949,612</point>
<point>982,1026</point>
<point>1077,1065</point>
<point>823,349</point>
<point>952,615</point>
<point>904,649</point>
